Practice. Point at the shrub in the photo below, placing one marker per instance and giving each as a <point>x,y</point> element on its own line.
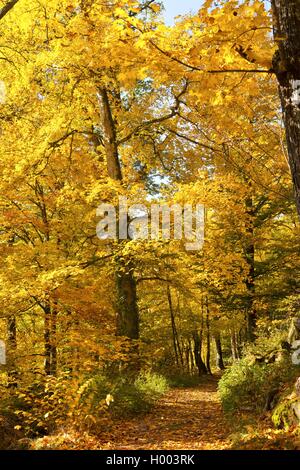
<point>41,407</point>
<point>181,380</point>
<point>121,396</point>
<point>56,402</point>
<point>139,396</point>
<point>151,385</point>
<point>247,386</point>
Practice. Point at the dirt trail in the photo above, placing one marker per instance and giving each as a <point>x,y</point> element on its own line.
<point>189,418</point>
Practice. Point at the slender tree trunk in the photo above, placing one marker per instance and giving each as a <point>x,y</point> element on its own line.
<point>173,325</point>
<point>250,281</point>
<point>187,357</point>
<point>286,65</point>
<point>198,342</point>
<point>207,339</point>
<point>180,346</point>
<point>53,340</point>
<point>47,338</point>
<point>234,347</point>
<point>239,340</point>
<point>219,352</point>
<point>12,346</point>
<point>192,359</point>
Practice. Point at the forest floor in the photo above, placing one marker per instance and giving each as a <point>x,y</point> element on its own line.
<point>185,418</point>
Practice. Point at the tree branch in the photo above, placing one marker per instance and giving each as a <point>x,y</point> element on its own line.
<point>152,279</point>
<point>240,71</point>
<point>142,8</point>
<point>94,261</point>
<point>145,124</point>
<point>198,69</point>
<point>192,141</point>
<point>173,113</point>
<point>7,8</point>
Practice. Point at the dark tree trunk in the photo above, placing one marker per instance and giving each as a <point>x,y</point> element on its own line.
<point>50,338</point>
<point>7,7</point>
<point>128,316</point>
<point>173,326</point>
<point>207,340</point>
<point>54,340</point>
<point>286,65</point>
<point>198,341</point>
<point>219,352</point>
<point>198,353</point>
<point>12,346</point>
<point>47,339</point>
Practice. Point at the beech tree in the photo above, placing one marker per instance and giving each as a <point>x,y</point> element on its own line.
<point>286,65</point>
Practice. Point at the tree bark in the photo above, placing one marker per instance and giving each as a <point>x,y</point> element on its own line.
<point>128,315</point>
<point>250,281</point>
<point>127,323</point>
<point>53,345</point>
<point>47,339</point>
<point>198,353</point>
<point>109,136</point>
<point>12,346</point>
<point>286,65</point>
<point>9,5</point>
<point>186,349</point>
<point>192,361</point>
<point>219,352</point>
<point>207,340</point>
<point>234,347</point>
<point>174,332</point>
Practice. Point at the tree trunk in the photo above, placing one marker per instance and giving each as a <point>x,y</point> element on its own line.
<point>187,357</point>
<point>192,361</point>
<point>198,353</point>
<point>176,343</point>
<point>219,352</point>
<point>198,341</point>
<point>54,340</point>
<point>207,340</point>
<point>128,316</point>
<point>7,7</point>
<point>234,347</point>
<point>286,65</point>
<point>47,339</point>
<point>109,137</point>
<point>12,346</point>
<point>127,323</point>
<point>250,281</point>
<point>174,333</point>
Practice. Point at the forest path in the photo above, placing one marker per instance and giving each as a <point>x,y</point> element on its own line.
<point>185,418</point>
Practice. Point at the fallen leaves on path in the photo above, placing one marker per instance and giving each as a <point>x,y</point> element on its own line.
<point>184,419</point>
